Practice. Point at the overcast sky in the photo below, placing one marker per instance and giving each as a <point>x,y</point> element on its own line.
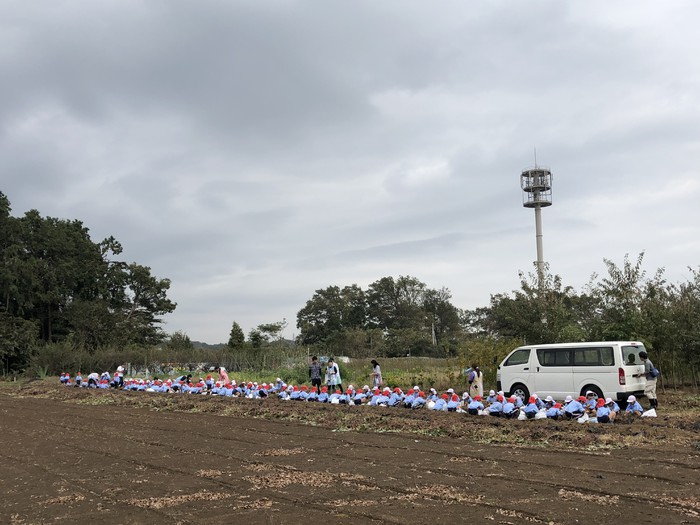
<point>254,152</point>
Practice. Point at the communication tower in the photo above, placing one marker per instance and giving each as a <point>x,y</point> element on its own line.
<point>536,184</point>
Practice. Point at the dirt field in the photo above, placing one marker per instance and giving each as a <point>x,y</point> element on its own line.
<point>128,457</point>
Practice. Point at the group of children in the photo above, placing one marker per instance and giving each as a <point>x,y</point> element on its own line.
<point>584,408</point>
<point>95,380</point>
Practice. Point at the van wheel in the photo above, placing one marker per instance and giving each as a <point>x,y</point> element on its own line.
<point>597,391</point>
<point>520,390</point>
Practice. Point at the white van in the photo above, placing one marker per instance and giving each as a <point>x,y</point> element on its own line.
<point>571,369</point>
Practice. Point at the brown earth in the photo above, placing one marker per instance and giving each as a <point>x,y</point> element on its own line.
<point>129,457</point>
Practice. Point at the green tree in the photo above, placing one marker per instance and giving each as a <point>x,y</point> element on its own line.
<point>396,303</point>
<point>442,316</point>
<point>621,293</point>
<point>322,316</point>
<point>272,331</point>
<point>17,340</point>
<point>179,341</point>
<point>237,337</point>
<point>138,301</point>
<point>540,312</point>
<point>256,338</point>
<point>68,287</point>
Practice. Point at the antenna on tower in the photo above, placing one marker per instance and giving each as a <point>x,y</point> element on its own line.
<point>535,148</point>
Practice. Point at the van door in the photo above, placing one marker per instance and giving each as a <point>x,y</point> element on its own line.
<point>515,370</point>
<point>552,372</point>
<point>631,365</point>
<point>594,368</point>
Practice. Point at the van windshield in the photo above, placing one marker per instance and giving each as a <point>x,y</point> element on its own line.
<point>630,354</point>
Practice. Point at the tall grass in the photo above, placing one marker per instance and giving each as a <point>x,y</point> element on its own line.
<point>288,363</point>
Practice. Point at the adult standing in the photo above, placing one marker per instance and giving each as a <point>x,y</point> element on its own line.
<point>476,381</point>
<point>650,385</point>
<point>333,375</point>
<point>315,373</point>
<point>376,374</point>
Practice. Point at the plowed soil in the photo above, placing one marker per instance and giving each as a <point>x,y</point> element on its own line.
<point>129,457</point>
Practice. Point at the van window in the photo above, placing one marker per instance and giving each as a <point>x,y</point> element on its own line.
<point>630,355</point>
<point>554,356</point>
<point>594,356</point>
<point>519,357</point>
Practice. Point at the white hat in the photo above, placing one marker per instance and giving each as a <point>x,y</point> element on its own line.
<point>465,395</point>
<point>631,399</point>
<point>549,399</point>
<point>590,393</point>
<point>450,391</point>
<point>608,400</point>
<point>366,387</point>
<point>387,389</point>
<point>568,399</point>
<point>492,392</point>
<point>278,380</point>
<point>416,388</point>
<point>535,396</point>
<point>351,387</point>
<point>433,391</point>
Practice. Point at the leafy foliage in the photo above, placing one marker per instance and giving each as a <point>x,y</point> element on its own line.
<point>237,337</point>
<point>393,317</point>
<point>57,285</point>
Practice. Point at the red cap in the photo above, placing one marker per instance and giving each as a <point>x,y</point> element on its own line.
<point>443,396</point>
<point>500,398</point>
<point>532,400</point>
<point>477,398</point>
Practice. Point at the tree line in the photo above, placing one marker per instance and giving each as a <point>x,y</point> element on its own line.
<point>58,286</point>
<point>398,317</point>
